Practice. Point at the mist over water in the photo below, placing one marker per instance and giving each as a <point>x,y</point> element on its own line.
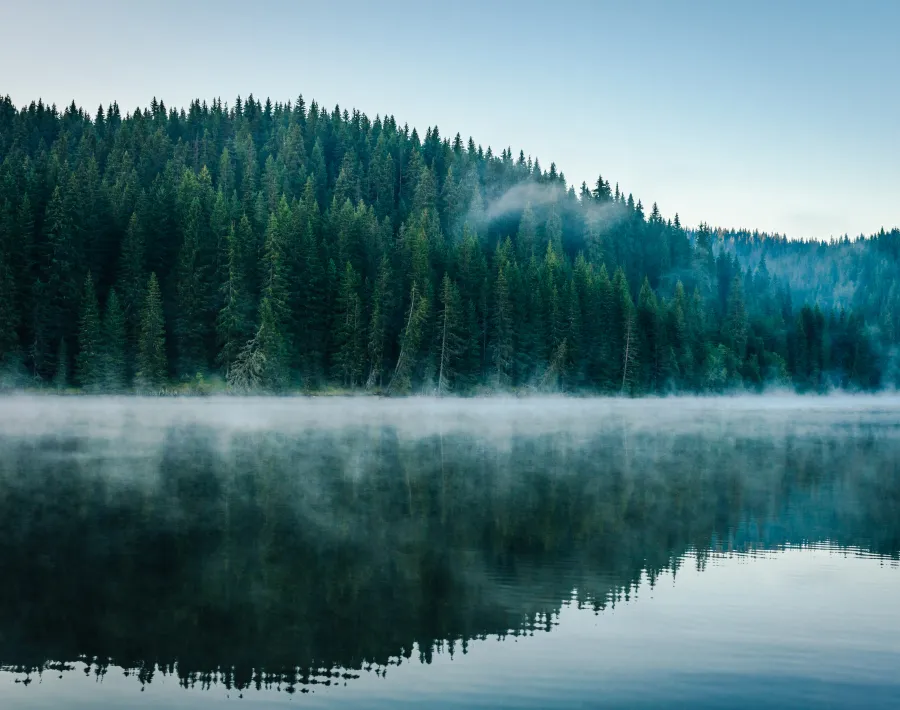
<point>497,552</point>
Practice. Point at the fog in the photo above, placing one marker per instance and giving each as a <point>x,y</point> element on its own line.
<point>148,419</point>
<point>603,215</point>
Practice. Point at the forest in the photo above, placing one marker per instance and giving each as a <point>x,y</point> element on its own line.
<point>283,247</point>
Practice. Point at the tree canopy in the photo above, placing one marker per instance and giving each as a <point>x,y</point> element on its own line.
<point>293,247</point>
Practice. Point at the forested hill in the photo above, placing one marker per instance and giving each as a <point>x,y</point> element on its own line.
<point>285,247</point>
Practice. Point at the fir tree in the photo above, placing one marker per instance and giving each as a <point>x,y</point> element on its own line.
<point>132,278</point>
<point>736,322</point>
<point>234,324</point>
<point>448,330</point>
<point>115,369</point>
<point>262,364</point>
<point>378,324</point>
<point>502,340</point>
<point>9,312</point>
<point>191,297</point>
<point>90,340</point>
<point>61,377</point>
<point>152,362</point>
<point>349,330</point>
<point>410,341</point>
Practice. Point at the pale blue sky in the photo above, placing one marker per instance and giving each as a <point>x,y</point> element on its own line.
<point>776,115</point>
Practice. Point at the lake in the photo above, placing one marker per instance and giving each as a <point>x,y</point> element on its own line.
<point>533,553</point>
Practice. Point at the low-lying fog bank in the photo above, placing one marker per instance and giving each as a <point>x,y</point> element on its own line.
<point>134,417</point>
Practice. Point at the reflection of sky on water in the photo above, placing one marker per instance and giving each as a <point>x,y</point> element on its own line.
<point>797,628</point>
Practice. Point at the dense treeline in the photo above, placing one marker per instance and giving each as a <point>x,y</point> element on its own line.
<point>283,246</point>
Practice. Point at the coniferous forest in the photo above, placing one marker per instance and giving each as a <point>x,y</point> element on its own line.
<point>287,248</point>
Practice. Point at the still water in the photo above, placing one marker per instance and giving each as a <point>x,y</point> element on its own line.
<point>718,553</point>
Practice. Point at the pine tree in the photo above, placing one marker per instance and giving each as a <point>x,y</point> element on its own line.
<point>234,325</point>
<point>90,340</point>
<point>56,311</point>
<point>410,342</point>
<point>573,335</point>
<point>678,337</point>
<point>263,362</point>
<point>9,312</point>
<point>649,339</point>
<point>502,340</point>
<point>527,236</point>
<point>736,322</point>
<point>61,378</point>
<point>349,330</point>
<point>623,327</point>
<point>190,328</point>
<point>605,362</point>
<point>132,278</point>
<point>448,330</point>
<point>115,375</point>
<point>152,361</point>
<point>378,324</point>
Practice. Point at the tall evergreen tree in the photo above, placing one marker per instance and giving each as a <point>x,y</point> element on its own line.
<point>410,341</point>
<point>736,322</point>
<point>152,362</point>
<point>90,340</point>
<point>234,324</point>
<point>115,366</point>
<point>349,330</point>
<point>190,328</point>
<point>61,377</point>
<point>9,312</point>
<point>377,332</point>
<point>132,278</point>
<point>502,340</point>
<point>448,328</point>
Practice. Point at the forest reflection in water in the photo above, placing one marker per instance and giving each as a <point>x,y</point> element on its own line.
<point>294,543</point>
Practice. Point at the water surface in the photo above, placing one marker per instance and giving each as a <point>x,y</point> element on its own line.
<point>497,553</point>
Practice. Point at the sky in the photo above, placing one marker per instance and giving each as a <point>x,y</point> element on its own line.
<point>780,116</point>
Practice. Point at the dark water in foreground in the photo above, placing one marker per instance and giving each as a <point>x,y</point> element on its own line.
<point>364,553</point>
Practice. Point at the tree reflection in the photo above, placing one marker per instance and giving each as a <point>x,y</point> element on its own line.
<point>264,558</point>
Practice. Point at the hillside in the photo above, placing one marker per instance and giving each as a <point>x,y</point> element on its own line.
<point>285,247</point>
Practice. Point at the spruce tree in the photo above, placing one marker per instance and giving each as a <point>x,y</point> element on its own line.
<point>9,312</point>
<point>625,333</point>
<point>263,362</point>
<point>56,311</point>
<point>191,297</point>
<point>61,377</point>
<point>526,240</point>
<point>448,329</point>
<point>115,369</point>
<point>234,325</point>
<point>378,324</point>
<point>132,279</point>
<point>152,363</point>
<point>89,360</point>
<point>410,342</point>
<point>649,339</point>
<point>736,321</point>
<point>605,364</point>
<point>349,330</point>
<point>502,340</point>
